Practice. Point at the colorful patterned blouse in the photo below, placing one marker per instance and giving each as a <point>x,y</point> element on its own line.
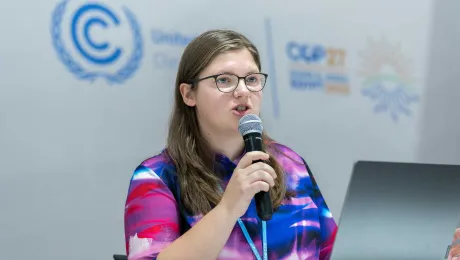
<point>302,228</point>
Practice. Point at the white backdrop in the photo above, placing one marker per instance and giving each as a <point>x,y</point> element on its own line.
<point>69,145</point>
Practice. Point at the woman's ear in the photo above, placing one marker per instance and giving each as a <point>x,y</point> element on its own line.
<point>188,95</point>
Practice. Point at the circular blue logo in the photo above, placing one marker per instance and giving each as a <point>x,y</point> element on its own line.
<point>96,57</point>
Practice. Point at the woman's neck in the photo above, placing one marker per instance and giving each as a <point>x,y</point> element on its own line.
<point>229,145</point>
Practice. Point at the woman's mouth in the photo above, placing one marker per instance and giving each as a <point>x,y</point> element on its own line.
<point>241,110</point>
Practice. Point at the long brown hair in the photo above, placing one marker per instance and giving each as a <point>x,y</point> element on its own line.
<point>186,146</point>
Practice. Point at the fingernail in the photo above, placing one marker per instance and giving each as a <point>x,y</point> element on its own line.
<point>455,258</point>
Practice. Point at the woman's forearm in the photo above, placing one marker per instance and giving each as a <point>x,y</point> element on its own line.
<point>204,240</point>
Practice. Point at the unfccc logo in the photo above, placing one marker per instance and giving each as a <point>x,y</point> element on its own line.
<point>91,41</point>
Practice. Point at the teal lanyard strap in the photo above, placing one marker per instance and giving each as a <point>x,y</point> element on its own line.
<point>251,243</point>
<point>248,238</point>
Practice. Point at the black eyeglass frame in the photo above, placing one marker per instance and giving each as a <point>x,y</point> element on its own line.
<point>194,82</point>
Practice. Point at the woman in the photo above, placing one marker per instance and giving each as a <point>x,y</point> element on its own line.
<point>175,208</point>
<point>454,253</point>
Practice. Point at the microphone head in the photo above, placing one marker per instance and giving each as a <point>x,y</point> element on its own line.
<point>250,124</point>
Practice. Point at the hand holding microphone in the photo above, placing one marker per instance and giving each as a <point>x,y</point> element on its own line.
<point>252,177</point>
<point>248,179</point>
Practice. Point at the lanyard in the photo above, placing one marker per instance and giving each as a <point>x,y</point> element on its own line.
<point>251,243</point>
<point>248,238</point>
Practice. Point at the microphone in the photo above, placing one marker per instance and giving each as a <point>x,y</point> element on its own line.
<point>250,127</point>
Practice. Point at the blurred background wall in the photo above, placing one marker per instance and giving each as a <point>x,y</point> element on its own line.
<point>86,90</point>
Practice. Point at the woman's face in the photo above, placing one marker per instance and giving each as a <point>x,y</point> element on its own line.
<point>218,112</point>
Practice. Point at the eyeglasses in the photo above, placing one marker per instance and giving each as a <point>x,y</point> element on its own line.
<point>228,82</point>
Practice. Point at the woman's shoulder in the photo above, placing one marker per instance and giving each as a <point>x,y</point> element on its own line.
<point>294,165</point>
<point>285,155</point>
<point>159,165</point>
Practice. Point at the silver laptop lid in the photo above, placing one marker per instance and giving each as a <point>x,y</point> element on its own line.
<point>398,211</point>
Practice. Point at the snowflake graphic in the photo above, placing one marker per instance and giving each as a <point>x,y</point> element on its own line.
<point>387,78</point>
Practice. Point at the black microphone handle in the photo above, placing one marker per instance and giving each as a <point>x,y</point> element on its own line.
<point>253,142</point>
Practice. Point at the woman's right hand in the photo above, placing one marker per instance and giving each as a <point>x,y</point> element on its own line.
<point>247,180</point>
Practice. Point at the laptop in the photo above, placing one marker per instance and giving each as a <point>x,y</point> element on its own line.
<point>399,211</point>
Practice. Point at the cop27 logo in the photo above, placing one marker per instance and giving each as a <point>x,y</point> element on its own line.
<point>315,53</point>
<point>93,41</point>
<point>317,67</point>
